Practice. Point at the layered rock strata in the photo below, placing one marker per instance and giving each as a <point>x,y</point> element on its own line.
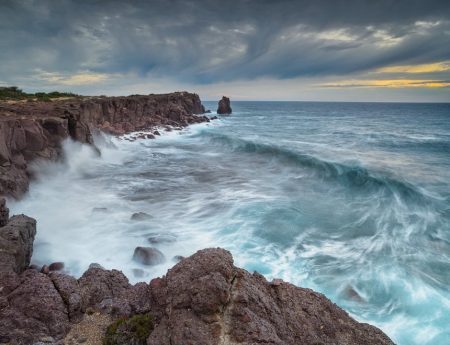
<point>30,130</point>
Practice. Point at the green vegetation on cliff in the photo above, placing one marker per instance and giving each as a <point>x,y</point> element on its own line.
<point>134,330</point>
<point>14,93</point>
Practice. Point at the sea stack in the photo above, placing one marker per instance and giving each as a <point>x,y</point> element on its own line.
<point>224,107</point>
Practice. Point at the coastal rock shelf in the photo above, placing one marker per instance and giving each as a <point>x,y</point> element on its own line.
<point>30,130</point>
<point>202,300</point>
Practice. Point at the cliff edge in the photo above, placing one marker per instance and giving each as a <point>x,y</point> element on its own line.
<point>30,130</point>
<point>203,300</point>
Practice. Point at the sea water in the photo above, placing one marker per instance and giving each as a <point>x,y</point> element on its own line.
<point>350,199</point>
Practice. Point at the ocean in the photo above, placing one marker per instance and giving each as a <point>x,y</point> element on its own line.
<point>349,199</point>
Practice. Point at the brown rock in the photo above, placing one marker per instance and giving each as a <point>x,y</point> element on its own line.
<point>98,285</point>
<point>35,311</point>
<point>45,269</point>
<point>70,291</point>
<point>16,243</point>
<point>224,106</point>
<point>4,212</point>
<point>56,266</point>
<point>148,256</point>
<point>33,130</point>
<point>204,299</point>
<point>140,216</point>
<point>157,238</point>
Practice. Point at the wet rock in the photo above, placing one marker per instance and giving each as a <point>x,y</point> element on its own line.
<point>140,216</point>
<point>208,111</point>
<point>161,238</point>
<point>224,106</point>
<point>150,136</point>
<point>31,130</point>
<point>99,210</point>
<point>56,266</point>
<point>178,258</point>
<point>148,256</point>
<point>156,133</point>
<point>213,118</point>
<point>138,272</point>
<point>16,243</point>
<point>45,269</point>
<point>351,294</point>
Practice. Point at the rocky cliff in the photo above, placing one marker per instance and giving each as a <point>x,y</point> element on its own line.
<point>30,130</point>
<point>203,300</point>
<point>224,106</point>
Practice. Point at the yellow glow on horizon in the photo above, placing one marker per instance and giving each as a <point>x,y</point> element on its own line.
<point>390,83</point>
<point>81,78</point>
<point>423,68</point>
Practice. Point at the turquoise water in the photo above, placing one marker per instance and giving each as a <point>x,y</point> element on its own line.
<point>350,199</point>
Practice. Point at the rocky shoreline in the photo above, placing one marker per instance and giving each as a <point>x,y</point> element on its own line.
<point>32,130</point>
<point>204,299</point>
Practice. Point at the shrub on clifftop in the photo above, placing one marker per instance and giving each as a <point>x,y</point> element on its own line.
<point>133,331</point>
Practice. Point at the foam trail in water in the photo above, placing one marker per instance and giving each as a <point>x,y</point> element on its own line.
<point>340,203</point>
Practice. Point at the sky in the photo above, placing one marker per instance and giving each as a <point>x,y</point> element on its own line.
<point>321,50</point>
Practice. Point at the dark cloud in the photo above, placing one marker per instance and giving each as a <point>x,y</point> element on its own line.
<point>209,41</point>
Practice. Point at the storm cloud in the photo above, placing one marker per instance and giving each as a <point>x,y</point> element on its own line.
<point>203,42</point>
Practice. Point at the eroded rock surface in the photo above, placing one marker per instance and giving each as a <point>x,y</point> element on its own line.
<point>30,130</point>
<point>203,300</point>
<point>16,243</point>
<point>224,106</point>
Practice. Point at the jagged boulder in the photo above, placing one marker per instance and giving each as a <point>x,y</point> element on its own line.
<point>16,243</point>
<point>205,299</point>
<point>33,310</point>
<point>224,106</point>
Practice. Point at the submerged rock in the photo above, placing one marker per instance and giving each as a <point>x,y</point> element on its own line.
<point>140,216</point>
<point>148,256</point>
<point>224,106</point>
<point>99,210</point>
<point>161,238</point>
<point>178,258</point>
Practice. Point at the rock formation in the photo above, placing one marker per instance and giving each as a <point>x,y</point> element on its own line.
<point>224,106</point>
<point>30,130</point>
<point>16,241</point>
<point>203,300</point>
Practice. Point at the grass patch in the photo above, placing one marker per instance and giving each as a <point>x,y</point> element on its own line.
<point>14,93</point>
<point>133,330</point>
